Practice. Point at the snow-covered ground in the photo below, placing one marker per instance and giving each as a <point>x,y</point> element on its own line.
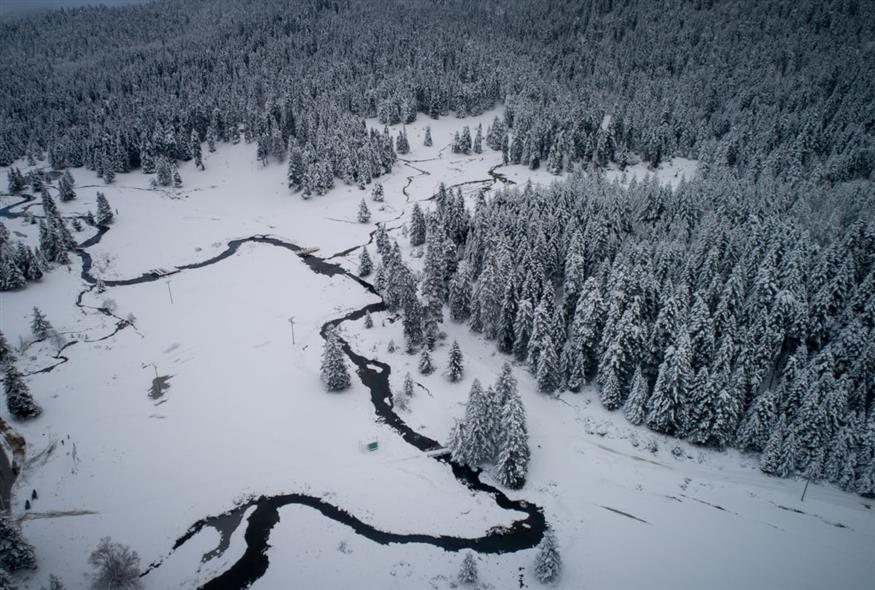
<point>245,414</point>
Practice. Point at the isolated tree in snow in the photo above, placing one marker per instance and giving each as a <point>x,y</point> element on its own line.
<point>39,325</point>
<point>365,263</point>
<point>364,214</point>
<point>369,321</point>
<point>377,194</point>
<point>634,408</point>
<point>548,562</point>
<point>408,385</point>
<point>117,566</point>
<point>104,211</point>
<point>468,570</point>
<point>177,179</point>
<point>427,142</point>
<point>54,583</point>
<point>425,365</point>
<point>455,367</point>
<point>513,451</point>
<point>334,372</point>
<point>399,400</point>
<point>15,552</point>
<point>18,398</point>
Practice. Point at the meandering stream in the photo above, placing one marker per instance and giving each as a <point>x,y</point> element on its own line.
<point>374,374</point>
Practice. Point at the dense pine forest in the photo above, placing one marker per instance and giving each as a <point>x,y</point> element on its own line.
<point>736,310</point>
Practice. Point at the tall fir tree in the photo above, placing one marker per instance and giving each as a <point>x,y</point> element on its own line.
<point>455,365</point>
<point>334,372</point>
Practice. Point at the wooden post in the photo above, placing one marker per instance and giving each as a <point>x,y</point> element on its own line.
<point>292,324</point>
<point>170,292</point>
<point>807,481</point>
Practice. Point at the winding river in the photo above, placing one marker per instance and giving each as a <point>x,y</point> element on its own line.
<point>374,374</point>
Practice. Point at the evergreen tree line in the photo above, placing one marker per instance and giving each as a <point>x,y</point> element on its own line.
<point>726,312</point>
<point>779,92</point>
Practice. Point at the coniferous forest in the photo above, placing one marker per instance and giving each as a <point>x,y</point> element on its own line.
<point>737,310</point>
<point>733,309</point>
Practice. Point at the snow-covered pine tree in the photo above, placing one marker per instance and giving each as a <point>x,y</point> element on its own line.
<point>6,354</point>
<point>197,153</point>
<point>365,263</point>
<point>425,365</point>
<point>334,372</point>
<point>377,194</point>
<point>549,375</point>
<point>478,140</point>
<point>417,226</point>
<point>513,447</point>
<point>427,142</point>
<point>65,187</point>
<point>15,552</point>
<point>465,140</point>
<point>667,407</point>
<point>468,569</point>
<point>369,321</point>
<point>548,562</point>
<point>18,399</point>
<point>523,324</point>
<point>297,167</point>
<point>455,366</point>
<point>457,443</point>
<point>364,214</point>
<point>634,408</point>
<point>402,146</point>
<point>39,325</point>
<point>104,211</point>
<point>11,277</point>
<point>770,460</point>
<point>753,434</point>
<point>163,172</point>
<point>478,426</point>
<point>460,294</point>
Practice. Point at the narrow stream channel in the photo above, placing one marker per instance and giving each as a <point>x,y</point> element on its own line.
<point>374,374</point>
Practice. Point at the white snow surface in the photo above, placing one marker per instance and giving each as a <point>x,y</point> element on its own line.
<point>246,414</point>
